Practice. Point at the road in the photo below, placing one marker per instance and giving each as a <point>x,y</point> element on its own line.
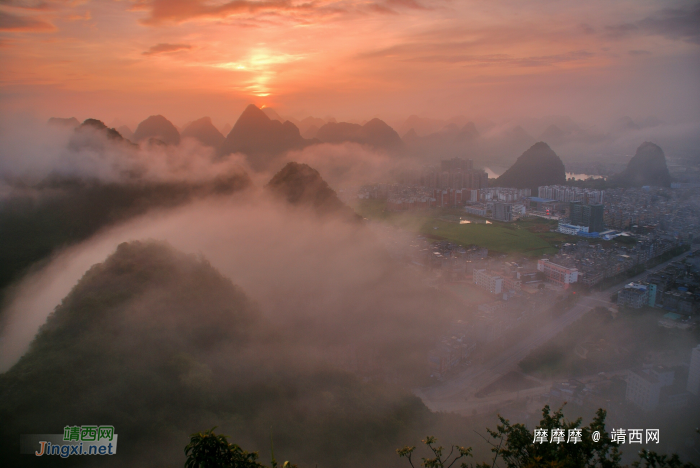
<point>457,393</point>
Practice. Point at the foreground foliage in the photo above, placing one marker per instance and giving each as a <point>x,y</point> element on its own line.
<point>209,450</point>
<point>515,446</point>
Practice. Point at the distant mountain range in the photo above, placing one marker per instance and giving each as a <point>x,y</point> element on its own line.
<point>264,136</point>
<point>62,210</point>
<point>205,132</point>
<point>260,134</point>
<point>424,126</point>
<point>101,127</point>
<point>70,122</point>
<point>126,132</point>
<point>647,167</point>
<point>537,166</point>
<point>450,134</point>
<point>262,139</point>
<point>86,134</point>
<point>158,128</point>
<point>375,133</point>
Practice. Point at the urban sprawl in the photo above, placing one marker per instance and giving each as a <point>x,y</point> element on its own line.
<point>615,235</point>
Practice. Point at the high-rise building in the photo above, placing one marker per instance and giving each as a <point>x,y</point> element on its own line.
<point>503,211</point>
<point>694,372</point>
<point>455,174</point>
<point>595,217</point>
<point>590,216</point>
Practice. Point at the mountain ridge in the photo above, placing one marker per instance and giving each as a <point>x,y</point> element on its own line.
<point>262,139</point>
<point>302,185</point>
<point>157,127</point>
<point>537,166</point>
<point>204,131</point>
<point>375,133</point>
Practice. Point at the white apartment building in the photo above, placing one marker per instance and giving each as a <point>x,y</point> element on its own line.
<point>489,281</point>
<point>644,386</point>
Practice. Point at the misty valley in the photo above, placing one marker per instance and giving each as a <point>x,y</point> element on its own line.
<point>350,233</point>
<point>166,287</point>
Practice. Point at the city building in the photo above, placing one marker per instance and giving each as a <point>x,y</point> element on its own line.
<point>644,386</point>
<point>512,284</point>
<point>503,211</point>
<point>518,210</point>
<point>489,281</point>
<point>558,274</point>
<point>456,173</point>
<point>504,194</point>
<point>571,194</point>
<point>591,216</point>
<point>450,197</point>
<point>478,210</point>
<point>694,372</point>
<point>409,204</point>
<point>633,295</point>
<point>571,229</point>
<point>541,204</point>
<point>651,290</point>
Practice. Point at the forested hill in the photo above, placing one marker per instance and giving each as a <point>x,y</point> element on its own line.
<point>159,344</point>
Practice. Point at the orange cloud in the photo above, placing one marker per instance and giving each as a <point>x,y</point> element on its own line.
<point>10,22</point>
<point>183,10</point>
<point>347,58</point>
<point>164,48</point>
<point>27,5</point>
<point>302,11</point>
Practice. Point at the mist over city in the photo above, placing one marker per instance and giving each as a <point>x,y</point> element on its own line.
<point>342,233</point>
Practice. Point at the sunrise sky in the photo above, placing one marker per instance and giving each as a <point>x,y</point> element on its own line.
<point>126,60</point>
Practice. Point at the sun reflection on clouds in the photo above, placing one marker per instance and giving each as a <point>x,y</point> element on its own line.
<point>261,67</point>
<point>327,56</point>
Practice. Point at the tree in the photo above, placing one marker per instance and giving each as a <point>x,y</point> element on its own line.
<point>437,461</point>
<point>571,446</point>
<point>209,450</point>
<point>517,448</point>
<point>654,460</point>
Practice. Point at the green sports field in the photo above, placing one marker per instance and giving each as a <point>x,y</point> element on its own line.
<point>530,237</point>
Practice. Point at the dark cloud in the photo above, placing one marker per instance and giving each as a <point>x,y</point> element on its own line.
<point>675,23</point>
<point>161,11</point>
<point>407,4</point>
<point>179,11</point>
<point>164,48</point>
<point>639,52</point>
<point>467,52</point>
<point>682,24</point>
<point>26,5</point>
<point>9,22</point>
<point>621,30</point>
